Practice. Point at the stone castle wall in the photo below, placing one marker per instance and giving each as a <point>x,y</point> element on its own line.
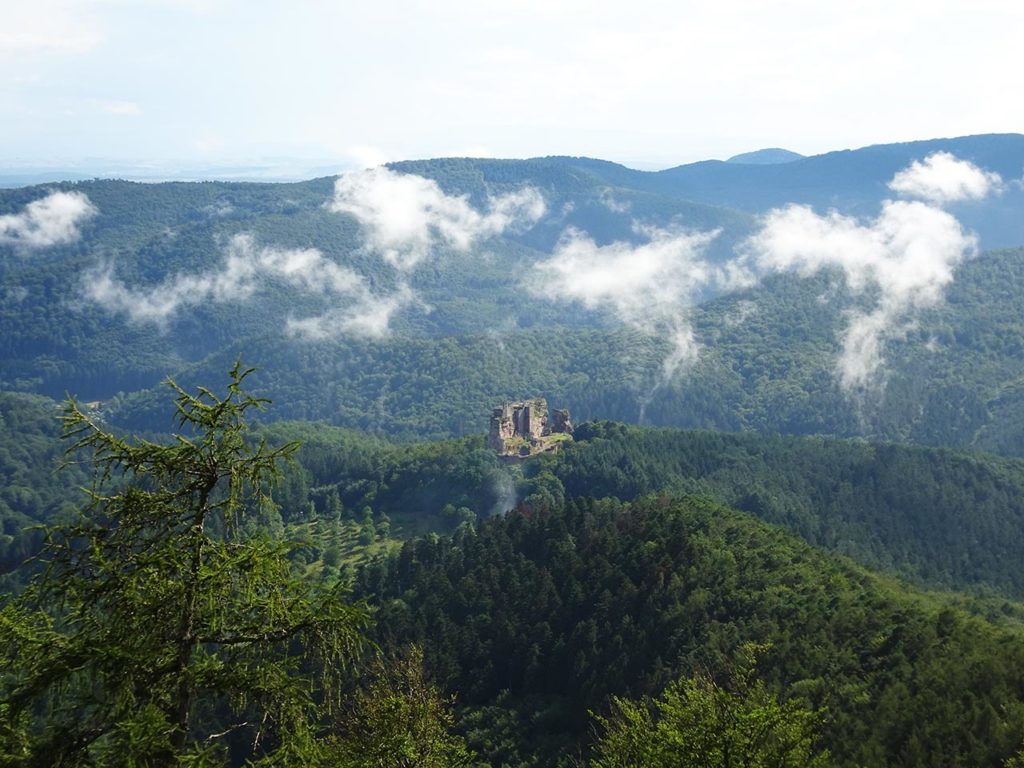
<point>520,427</point>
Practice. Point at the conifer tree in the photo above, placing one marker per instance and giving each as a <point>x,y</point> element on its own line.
<point>400,719</point>
<point>164,628</point>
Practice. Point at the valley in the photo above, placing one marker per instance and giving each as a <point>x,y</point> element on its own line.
<point>796,431</point>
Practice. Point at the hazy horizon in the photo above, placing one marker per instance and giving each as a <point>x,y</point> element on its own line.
<point>198,83</point>
<point>258,169</point>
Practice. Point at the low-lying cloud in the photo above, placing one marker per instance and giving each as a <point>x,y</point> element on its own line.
<point>368,316</point>
<point>245,267</point>
<point>906,257</point>
<point>943,178</point>
<point>405,216</point>
<point>908,254</point>
<point>651,285</point>
<point>51,220</point>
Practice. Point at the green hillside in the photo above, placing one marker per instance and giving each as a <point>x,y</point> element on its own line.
<point>534,618</point>
<point>938,517</point>
<point>539,616</point>
<point>766,364</point>
<point>32,490</point>
<point>472,332</point>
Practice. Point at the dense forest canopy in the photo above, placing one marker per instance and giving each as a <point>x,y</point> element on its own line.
<point>539,616</point>
<point>934,516</point>
<point>536,618</point>
<point>797,389</point>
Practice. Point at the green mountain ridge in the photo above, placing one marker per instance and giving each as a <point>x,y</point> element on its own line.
<point>476,334</point>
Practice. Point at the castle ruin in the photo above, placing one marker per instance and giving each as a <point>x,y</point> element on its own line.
<point>522,428</point>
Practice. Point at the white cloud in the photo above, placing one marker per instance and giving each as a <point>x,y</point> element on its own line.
<point>51,220</point>
<point>651,285</point>
<point>909,254</point>
<point>222,207</point>
<point>404,216</point>
<point>609,201</point>
<point>245,265</point>
<point>368,316</point>
<point>631,278</point>
<point>943,178</point>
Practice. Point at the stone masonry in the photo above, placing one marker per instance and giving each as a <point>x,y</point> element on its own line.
<point>521,428</point>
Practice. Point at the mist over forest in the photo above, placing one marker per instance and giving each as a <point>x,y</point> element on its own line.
<point>791,489</point>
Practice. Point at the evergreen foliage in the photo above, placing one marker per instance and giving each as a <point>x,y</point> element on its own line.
<point>938,517</point>
<point>167,628</point>
<point>540,616</point>
<point>941,518</point>
<point>32,491</point>
<point>399,719</point>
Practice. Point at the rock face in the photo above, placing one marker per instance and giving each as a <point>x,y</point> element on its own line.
<point>561,422</point>
<point>521,428</point>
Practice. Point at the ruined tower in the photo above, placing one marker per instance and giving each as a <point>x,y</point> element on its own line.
<point>520,422</point>
<point>521,428</point>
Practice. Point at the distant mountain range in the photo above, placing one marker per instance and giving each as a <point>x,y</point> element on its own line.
<point>851,181</point>
<point>770,156</point>
<point>460,323</point>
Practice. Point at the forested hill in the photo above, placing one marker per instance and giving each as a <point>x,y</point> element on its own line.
<point>32,490</point>
<point>940,518</point>
<point>766,364</point>
<point>852,181</point>
<point>158,243</point>
<point>935,516</point>
<point>539,616</point>
<point>535,616</point>
<point>417,330</point>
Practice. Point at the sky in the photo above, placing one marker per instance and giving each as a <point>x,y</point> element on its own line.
<point>204,83</point>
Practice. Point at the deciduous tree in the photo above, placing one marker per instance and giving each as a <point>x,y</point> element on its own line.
<point>700,723</point>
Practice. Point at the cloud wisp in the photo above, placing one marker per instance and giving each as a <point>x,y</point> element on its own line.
<point>405,216</point>
<point>403,219</point>
<point>245,267</point>
<point>368,316</point>
<point>943,178</point>
<point>909,254</point>
<point>48,221</point>
<point>651,286</point>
